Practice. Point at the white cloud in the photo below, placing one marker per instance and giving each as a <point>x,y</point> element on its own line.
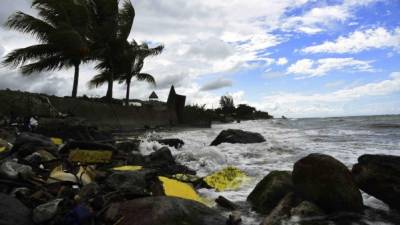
<point>318,19</point>
<point>282,61</point>
<point>310,68</point>
<point>298,104</point>
<point>359,41</point>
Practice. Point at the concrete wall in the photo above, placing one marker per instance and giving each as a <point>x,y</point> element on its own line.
<point>113,116</point>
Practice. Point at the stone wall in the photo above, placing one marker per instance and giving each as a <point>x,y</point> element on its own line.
<point>113,116</point>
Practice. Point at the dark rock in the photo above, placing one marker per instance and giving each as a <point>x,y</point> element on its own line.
<point>281,211</point>
<point>28,143</point>
<point>12,211</point>
<point>270,190</point>
<point>134,183</point>
<point>306,209</point>
<point>326,182</point>
<point>237,136</point>
<point>166,211</point>
<point>15,170</point>
<point>162,156</point>
<point>234,218</point>
<point>172,142</point>
<point>46,212</point>
<point>226,203</point>
<point>379,176</point>
<point>129,146</point>
<point>73,128</point>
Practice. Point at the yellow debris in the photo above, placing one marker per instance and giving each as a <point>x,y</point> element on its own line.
<point>86,175</point>
<point>56,141</point>
<point>90,156</point>
<point>2,149</point>
<point>179,189</point>
<point>230,178</point>
<point>58,175</point>
<point>128,168</point>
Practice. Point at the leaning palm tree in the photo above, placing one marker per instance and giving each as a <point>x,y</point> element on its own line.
<point>111,28</point>
<point>61,29</point>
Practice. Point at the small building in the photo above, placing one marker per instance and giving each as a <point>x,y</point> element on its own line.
<point>153,96</point>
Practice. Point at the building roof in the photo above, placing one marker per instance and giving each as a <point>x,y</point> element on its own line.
<point>153,95</point>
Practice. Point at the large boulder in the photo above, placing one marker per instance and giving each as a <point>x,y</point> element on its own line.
<point>379,176</point>
<point>12,211</point>
<point>327,182</point>
<point>163,210</point>
<point>237,136</point>
<point>270,190</point>
<point>164,162</point>
<point>134,183</point>
<point>28,143</point>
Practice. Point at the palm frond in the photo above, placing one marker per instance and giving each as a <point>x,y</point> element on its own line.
<point>99,80</point>
<point>125,19</point>
<point>22,55</point>
<point>145,77</point>
<point>29,24</point>
<point>46,64</point>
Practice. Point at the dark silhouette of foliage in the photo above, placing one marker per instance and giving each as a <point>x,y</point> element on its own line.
<point>227,105</point>
<point>61,29</point>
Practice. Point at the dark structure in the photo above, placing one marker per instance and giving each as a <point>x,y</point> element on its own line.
<point>176,103</point>
<point>153,96</point>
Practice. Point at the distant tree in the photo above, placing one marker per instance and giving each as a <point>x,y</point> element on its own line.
<point>245,111</point>
<point>227,104</point>
<point>61,29</point>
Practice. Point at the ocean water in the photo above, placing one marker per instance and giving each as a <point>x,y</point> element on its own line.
<point>289,140</point>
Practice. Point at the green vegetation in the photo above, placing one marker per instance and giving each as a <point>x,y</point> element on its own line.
<point>72,32</point>
<point>227,112</point>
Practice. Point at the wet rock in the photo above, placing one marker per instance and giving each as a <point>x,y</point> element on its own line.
<point>132,182</point>
<point>85,145</point>
<point>237,136</point>
<point>234,218</point>
<point>166,211</point>
<point>326,182</point>
<point>28,143</point>
<point>281,211</point>
<point>46,212</point>
<point>4,146</point>
<point>172,142</point>
<point>128,146</point>
<point>15,170</point>
<point>162,156</point>
<point>306,209</point>
<point>12,211</point>
<point>270,190</point>
<point>226,203</point>
<point>379,176</point>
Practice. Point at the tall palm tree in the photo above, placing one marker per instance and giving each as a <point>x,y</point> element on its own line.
<point>61,29</point>
<point>111,28</point>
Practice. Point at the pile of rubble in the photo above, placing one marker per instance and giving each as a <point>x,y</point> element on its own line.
<point>47,180</point>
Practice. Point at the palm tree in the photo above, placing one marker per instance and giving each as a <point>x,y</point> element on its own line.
<point>130,66</point>
<point>61,29</point>
<point>135,63</point>
<point>111,28</point>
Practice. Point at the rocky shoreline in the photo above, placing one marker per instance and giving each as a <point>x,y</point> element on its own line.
<point>45,179</point>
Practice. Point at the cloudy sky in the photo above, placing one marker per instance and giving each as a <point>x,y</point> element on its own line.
<point>299,58</point>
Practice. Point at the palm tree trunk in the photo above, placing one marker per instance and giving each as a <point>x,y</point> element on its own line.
<point>109,94</point>
<point>128,89</point>
<point>76,79</point>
